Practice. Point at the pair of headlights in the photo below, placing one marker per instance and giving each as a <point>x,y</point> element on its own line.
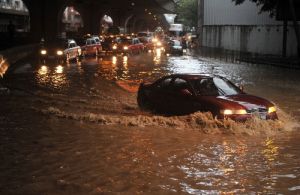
<point>58,52</point>
<point>115,47</point>
<point>243,111</point>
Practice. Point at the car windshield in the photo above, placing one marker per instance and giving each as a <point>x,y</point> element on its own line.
<point>56,43</point>
<point>126,41</point>
<point>142,34</point>
<point>176,43</point>
<point>214,87</point>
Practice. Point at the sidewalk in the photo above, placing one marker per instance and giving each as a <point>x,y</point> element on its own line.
<point>289,62</point>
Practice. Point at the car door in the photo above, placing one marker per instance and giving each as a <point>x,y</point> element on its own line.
<point>160,94</point>
<point>72,50</point>
<point>181,97</point>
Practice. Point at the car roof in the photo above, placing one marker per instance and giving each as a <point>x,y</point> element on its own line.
<point>191,76</point>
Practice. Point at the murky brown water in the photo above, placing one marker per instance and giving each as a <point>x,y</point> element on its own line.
<point>76,129</point>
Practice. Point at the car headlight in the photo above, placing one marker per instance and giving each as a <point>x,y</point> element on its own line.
<point>114,47</point>
<point>271,109</point>
<point>154,40</point>
<point>59,52</point>
<point>125,48</point>
<point>43,52</point>
<point>230,112</point>
<point>158,43</point>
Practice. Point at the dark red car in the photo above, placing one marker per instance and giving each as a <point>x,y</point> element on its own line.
<point>188,93</point>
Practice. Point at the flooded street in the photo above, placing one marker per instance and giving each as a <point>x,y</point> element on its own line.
<point>76,129</point>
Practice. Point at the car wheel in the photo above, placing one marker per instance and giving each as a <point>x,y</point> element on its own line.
<point>142,101</point>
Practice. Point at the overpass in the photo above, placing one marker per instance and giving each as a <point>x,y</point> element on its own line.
<point>132,15</point>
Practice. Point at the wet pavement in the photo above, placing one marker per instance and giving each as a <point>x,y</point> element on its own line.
<point>76,129</point>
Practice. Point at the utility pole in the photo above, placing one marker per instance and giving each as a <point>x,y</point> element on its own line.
<point>200,22</point>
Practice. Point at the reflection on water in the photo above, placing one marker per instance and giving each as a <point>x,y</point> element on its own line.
<point>59,69</point>
<point>271,150</point>
<point>157,56</point>
<point>52,78</point>
<point>114,60</point>
<point>43,70</point>
<point>233,167</point>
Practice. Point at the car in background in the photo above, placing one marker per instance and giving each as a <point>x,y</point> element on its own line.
<point>108,43</point>
<point>174,47</point>
<point>145,34</point>
<point>59,50</point>
<point>148,44</point>
<point>129,45</point>
<point>187,93</point>
<point>92,46</point>
<point>158,44</point>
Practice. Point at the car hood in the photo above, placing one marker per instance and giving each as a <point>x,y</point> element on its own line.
<point>241,101</point>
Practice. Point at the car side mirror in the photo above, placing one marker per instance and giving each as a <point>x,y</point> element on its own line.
<point>186,92</point>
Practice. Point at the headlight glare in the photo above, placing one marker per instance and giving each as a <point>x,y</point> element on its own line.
<point>125,48</point>
<point>230,112</point>
<point>59,52</point>
<point>271,109</point>
<point>43,52</point>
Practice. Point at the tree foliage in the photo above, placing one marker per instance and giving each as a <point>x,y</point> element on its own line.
<point>187,12</point>
<point>265,5</point>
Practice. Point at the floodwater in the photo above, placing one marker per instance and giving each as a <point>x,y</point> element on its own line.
<point>76,129</point>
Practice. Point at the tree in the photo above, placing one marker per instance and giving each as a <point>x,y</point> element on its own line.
<point>187,12</point>
<point>272,6</point>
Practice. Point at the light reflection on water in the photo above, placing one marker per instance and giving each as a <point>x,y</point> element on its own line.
<point>56,78</point>
<point>233,167</point>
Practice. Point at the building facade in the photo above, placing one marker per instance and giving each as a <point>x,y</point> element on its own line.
<point>16,12</point>
<point>242,28</point>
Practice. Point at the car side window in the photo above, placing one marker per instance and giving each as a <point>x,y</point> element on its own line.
<point>72,45</point>
<point>180,84</point>
<point>165,84</point>
<point>206,87</point>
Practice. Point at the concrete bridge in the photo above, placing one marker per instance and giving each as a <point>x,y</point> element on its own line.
<point>132,15</point>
